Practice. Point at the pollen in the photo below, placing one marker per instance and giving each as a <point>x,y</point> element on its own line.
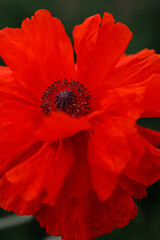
<point>67,96</point>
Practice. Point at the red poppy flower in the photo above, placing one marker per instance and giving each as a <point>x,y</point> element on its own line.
<point>71,151</point>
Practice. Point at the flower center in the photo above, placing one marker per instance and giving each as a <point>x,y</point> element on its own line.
<point>64,99</point>
<point>67,96</point>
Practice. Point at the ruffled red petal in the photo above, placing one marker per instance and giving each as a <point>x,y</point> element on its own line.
<point>104,46</point>
<point>152,97</point>
<point>39,53</point>
<point>135,69</point>
<point>10,89</point>
<point>132,187</point>
<point>146,172</point>
<point>82,215</point>
<point>18,123</point>
<point>32,188</point>
<point>152,136</point>
<point>60,125</point>
<point>152,142</point>
<point>84,218</point>
<point>85,37</point>
<point>116,148</point>
<point>108,153</point>
<point>19,118</point>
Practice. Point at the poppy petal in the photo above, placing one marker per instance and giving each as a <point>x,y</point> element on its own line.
<point>146,172</point>
<point>104,177</point>
<point>88,221</point>
<point>32,186</point>
<point>85,36</point>
<point>12,202</point>
<point>56,175</point>
<point>108,153</point>
<point>152,142</point>
<point>60,125</point>
<point>18,122</point>
<point>151,135</point>
<point>36,52</point>
<point>152,97</point>
<point>135,69</point>
<point>108,46</point>
<point>132,187</point>
<point>11,89</point>
<point>119,203</point>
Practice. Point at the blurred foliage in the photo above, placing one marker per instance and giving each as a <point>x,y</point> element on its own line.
<point>143,18</point>
<point>29,231</point>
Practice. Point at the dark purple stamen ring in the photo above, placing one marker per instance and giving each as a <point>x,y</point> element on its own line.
<point>67,96</point>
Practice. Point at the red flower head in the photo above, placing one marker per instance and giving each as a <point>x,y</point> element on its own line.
<point>71,151</point>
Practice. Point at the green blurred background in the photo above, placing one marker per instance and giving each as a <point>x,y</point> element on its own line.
<point>143,18</point>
